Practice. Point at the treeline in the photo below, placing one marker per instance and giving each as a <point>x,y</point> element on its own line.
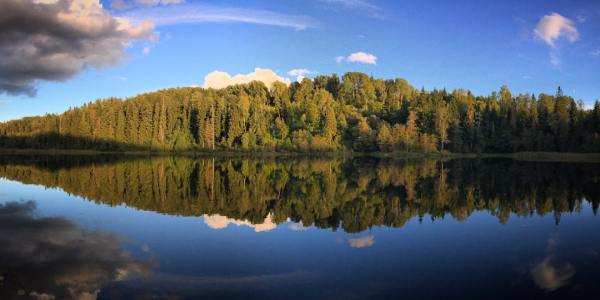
<point>355,112</point>
<point>353,194</point>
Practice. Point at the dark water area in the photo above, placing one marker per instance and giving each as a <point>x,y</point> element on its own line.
<point>107,227</point>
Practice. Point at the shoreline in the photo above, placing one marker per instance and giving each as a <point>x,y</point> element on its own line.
<point>537,156</point>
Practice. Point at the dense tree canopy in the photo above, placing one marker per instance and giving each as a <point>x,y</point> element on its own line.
<point>356,112</point>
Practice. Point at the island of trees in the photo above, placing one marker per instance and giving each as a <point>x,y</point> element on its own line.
<point>352,113</point>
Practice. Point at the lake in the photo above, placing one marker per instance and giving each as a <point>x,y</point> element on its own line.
<point>181,227</point>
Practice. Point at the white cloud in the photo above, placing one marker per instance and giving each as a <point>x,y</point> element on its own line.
<point>201,13</point>
<point>358,57</point>
<point>362,57</point>
<point>595,53</point>
<point>301,73</point>
<point>363,242</point>
<point>552,27</point>
<point>146,50</point>
<point>220,222</point>
<point>219,79</point>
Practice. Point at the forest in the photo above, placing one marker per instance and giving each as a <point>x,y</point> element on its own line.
<point>348,194</point>
<point>355,113</point>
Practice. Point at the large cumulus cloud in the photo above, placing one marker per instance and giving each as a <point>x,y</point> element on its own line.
<point>219,79</point>
<point>55,39</point>
<point>52,258</point>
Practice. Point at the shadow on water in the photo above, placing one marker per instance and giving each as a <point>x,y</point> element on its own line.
<point>352,194</point>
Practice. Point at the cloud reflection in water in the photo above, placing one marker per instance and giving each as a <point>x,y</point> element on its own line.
<point>53,258</point>
<point>546,273</point>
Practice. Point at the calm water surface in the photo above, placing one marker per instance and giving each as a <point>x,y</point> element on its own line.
<point>87,227</point>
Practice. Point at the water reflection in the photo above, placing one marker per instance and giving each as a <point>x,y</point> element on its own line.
<point>480,237</point>
<point>327,193</point>
<point>547,273</point>
<point>362,242</point>
<point>549,276</point>
<point>53,258</point>
<point>177,286</point>
<point>220,222</point>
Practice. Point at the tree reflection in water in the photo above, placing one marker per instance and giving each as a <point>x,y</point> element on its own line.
<point>352,194</point>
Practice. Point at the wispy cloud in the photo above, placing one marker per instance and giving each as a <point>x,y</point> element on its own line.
<point>200,13</point>
<point>595,53</point>
<point>126,4</point>
<point>353,4</point>
<point>555,58</point>
<point>358,57</point>
<point>119,78</point>
<point>301,73</point>
<point>371,9</point>
<point>159,2</point>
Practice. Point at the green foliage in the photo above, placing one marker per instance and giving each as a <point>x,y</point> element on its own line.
<point>384,138</point>
<point>357,113</point>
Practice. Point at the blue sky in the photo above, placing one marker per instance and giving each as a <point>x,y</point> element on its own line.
<point>478,45</point>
